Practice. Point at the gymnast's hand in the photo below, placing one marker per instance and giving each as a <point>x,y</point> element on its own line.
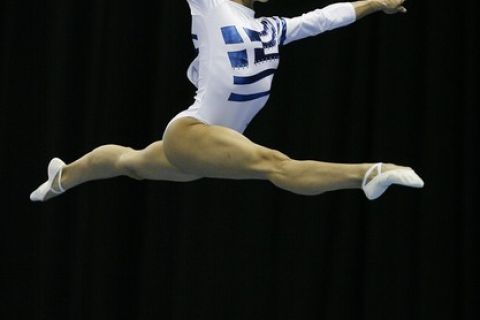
<point>391,6</point>
<point>367,7</point>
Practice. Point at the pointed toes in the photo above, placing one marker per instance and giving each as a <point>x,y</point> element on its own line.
<point>407,177</point>
<point>40,193</point>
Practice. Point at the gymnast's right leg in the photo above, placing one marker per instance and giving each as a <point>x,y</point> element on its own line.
<point>109,161</point>
<point>218,152</point>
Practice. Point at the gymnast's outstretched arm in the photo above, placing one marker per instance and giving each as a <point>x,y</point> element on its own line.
<point>336,16</point>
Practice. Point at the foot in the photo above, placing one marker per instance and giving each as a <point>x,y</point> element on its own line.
<point>381,176</point>
<point>52,187</point>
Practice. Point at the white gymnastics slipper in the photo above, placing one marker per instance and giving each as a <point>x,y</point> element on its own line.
<point>379,184</point>
<point>54,168</point>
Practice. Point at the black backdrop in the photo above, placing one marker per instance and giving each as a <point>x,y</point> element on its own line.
<point>77,74</point>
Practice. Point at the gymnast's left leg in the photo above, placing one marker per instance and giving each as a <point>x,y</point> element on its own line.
<point>106,162</point>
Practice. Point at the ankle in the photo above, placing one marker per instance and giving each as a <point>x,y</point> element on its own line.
<point>359,174</point>
<point>370,171</point>
<point>61,180</point>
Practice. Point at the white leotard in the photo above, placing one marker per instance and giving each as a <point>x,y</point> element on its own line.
<point>239,54</point>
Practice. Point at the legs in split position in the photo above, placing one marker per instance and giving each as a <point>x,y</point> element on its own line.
<point>192,150</point>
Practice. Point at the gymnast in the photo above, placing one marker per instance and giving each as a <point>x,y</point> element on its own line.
<point>238,55</point>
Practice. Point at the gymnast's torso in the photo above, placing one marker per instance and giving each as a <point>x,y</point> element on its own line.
<point>239,54</point>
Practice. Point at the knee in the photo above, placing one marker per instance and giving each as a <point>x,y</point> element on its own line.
<point>273,162</point>
<point>128,164</point>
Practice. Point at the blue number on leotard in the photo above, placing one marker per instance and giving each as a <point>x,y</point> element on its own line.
<point>239,59</point>
<point>256,36</point>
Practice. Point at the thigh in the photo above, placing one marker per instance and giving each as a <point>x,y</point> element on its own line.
<point>151,163</point>
<point>217,152</point>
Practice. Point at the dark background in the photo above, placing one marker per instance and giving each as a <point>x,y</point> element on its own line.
<point>78,74</point>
